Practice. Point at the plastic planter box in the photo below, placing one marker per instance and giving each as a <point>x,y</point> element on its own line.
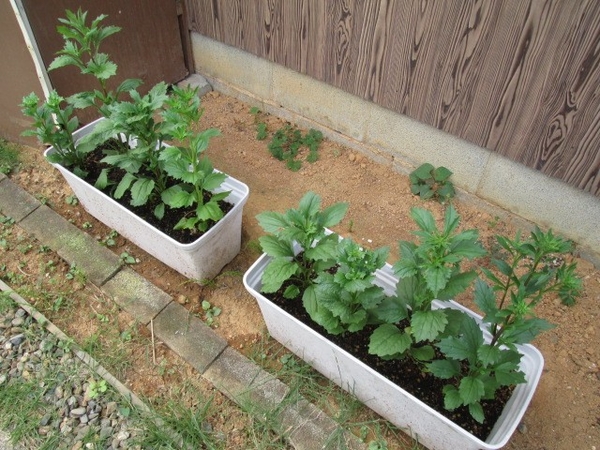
<point>393,403</point>
<point>201,259</point>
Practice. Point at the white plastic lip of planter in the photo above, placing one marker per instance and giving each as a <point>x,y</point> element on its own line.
<point>201,259</point>
<point>396,405</point>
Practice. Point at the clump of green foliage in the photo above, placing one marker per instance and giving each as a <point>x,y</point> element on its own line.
<point>262,131</point>
<point>9,157</point>
<point>286,143</point>
<point>529,270</point>
<point>427,182</point>
<point>81,49</point>
<point>299,246</point>
<point>427,270</point>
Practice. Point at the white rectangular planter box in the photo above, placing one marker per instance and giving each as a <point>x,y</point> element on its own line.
<point>201,259</point>
<point>393,403</point>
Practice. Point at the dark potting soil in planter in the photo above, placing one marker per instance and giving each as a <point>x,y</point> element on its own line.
<point>94,167</point>
<point>404,373</point>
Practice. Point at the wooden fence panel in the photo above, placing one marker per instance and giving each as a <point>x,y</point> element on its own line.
<point>521,78</point>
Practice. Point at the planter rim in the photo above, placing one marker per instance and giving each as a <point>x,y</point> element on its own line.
<point>250,280</point>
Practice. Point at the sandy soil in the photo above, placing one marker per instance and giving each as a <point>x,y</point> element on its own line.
<point>565,412</point>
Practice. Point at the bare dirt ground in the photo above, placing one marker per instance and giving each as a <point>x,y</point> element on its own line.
<point>565,411</point>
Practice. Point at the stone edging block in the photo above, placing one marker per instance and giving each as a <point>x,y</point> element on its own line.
<point>14,201</point>
<point>136,295</point>
<point>188,336</point>
<point>74,246</point>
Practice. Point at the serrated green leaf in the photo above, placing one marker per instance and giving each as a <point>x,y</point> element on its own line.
<point>333,214</point>
<point>444,368</point>
<point>276,272</point>
<point>424,219</point>
<point>427,325</point>
<point>471,389</point>
<point>322,251</point>
<point>186,223</point>
<point>423,353</point>
<point>452,398</point>
<point>272,222</point>
<point>436,278</point>
<point>390,310</point>
<point>176,197</point>
<point>476,411</point>
<point>209,211</point>
<point>309,204</point>
<point>102,181</point>
<point>123,185</point>
<point>488,354</point>
<point>276,247</point>
<point>291,292</point>
<point>457,284</point>
<point>485,299</point>
<point>389,340</point>
<point>141,191</point>
<point>213,181</point>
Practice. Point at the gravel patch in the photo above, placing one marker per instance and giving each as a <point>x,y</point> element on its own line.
<point>73,410</point>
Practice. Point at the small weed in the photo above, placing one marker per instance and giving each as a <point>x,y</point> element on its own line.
<point>72,200</point>
<point>262,131</point>
<point>210,312</point>
<point>126,335</point>
<point>76,274</point>
<point>44,249</point>
<point>6,301</point>
<point>126,258</point>
<point>287,142</point>
<point>428,182</point>
<point>109,239</point>
<point>96,388</point>
<point>91,344</point>
<point>7,221</point>
<point>494,222</point>
<point>86,225</point>
<point>42,199</point>
<point>9,157</point>
<point>65,344</point>
<point>25,248</point>
<point>58,303</point>
<point>350,225</point>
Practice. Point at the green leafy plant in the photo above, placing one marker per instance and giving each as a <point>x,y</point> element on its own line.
<point>262,131</point>
<point>427,182</point>
<point>530,270</point>
<point>287,142</point>
<point>427,271</point>
<point>126,258</point>
<point>300,246</point>
<point>97,388</point>
<point>345,297</point>
<point>198,183</point>
<point>210,312</point>
<point>9,157</point>
<point>82,50</point>
<point>134,134</point>
<point>54,124</point>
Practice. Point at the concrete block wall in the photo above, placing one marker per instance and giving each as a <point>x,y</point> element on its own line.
<point>402,142</point>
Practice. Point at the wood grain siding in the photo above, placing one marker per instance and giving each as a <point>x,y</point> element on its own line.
<point>521,78</point>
